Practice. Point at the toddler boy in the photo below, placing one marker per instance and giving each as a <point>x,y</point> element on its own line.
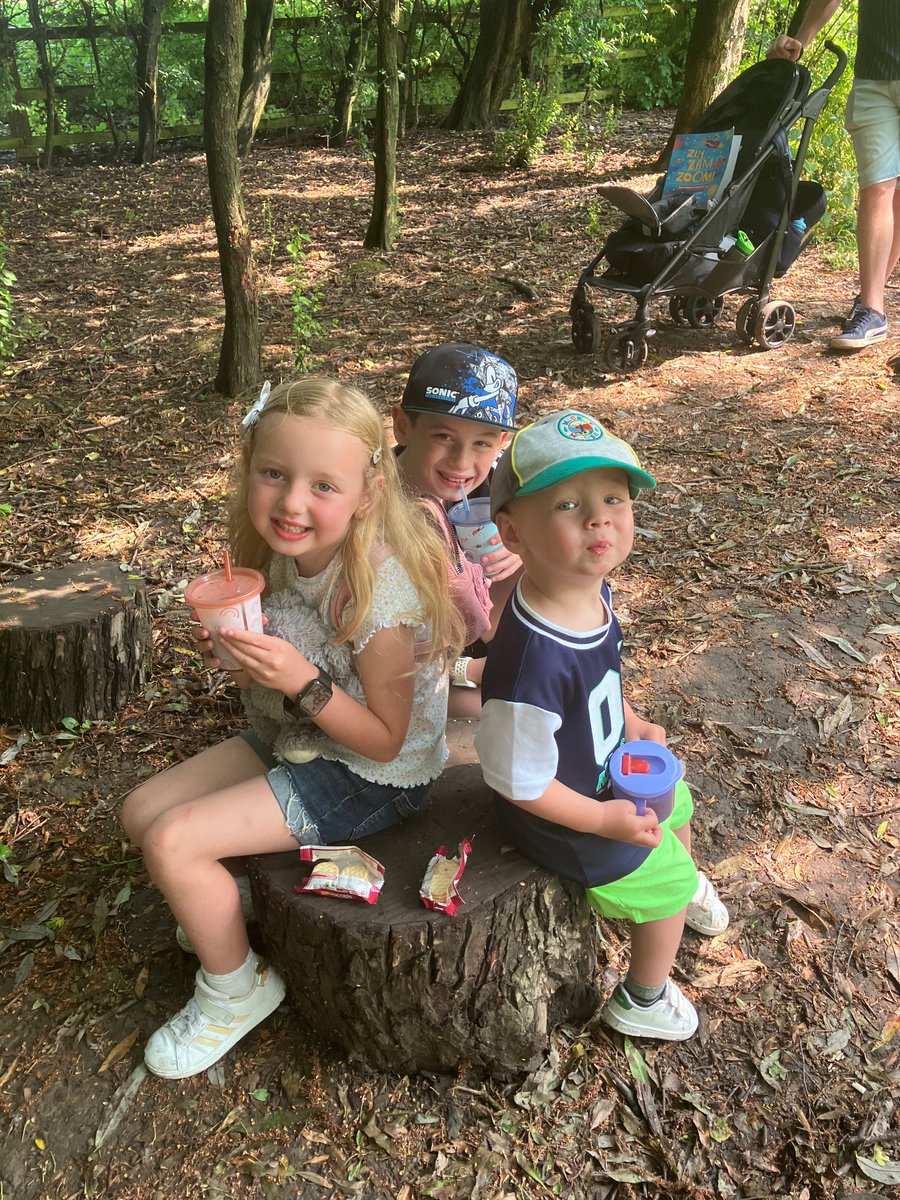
<point>455,417</point>
<point>554,711</point>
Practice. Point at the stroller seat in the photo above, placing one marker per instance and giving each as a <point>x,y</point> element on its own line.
<point>675,245</point>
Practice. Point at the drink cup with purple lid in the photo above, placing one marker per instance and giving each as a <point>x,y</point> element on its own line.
<point>472,521</point>
<point>645,773</point>
<point>227,599</point>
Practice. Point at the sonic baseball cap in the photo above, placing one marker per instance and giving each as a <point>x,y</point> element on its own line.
<point>556,448</point>
<point>462,380</point>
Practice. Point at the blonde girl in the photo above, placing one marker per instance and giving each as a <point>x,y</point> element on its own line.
<point>357,580</point>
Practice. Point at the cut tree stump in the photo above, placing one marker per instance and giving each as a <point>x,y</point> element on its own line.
<point>406,989</point>
<point>73,643</point>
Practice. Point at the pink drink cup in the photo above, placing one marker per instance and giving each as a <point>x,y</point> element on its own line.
<point>221,604</point>
<point>474,528</point>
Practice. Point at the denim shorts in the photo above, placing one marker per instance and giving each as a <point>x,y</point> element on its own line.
<point>873,122</point>
<point>324,802</point>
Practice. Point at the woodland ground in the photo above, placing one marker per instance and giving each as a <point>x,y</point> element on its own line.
<point>761,618</point>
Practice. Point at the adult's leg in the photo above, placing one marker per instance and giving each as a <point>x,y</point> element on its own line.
<point>875,240</point>
<point>183,851</point>
<point>209,771</point>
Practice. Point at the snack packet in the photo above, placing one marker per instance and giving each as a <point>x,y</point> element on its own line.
<point>439,891</point>
<point>343,871</point>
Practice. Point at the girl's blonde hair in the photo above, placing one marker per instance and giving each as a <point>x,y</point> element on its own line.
<point>395,520</point>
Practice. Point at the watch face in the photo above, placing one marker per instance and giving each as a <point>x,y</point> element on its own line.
<point>314,697</point>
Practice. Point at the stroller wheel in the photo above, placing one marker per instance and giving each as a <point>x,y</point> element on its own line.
<point>624,353</point>
<point>774,324</point>
<point>676,309</point>
<point>745,322</point>
<point>702,312</point>
<point>586,332</point>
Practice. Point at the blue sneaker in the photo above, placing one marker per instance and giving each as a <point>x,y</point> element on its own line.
<point>851,315</point>
<point>867,327</point>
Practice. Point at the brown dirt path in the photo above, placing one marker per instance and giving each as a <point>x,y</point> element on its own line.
<point>761,611</point>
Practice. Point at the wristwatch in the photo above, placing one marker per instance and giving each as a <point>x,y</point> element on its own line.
<point>312,698</point>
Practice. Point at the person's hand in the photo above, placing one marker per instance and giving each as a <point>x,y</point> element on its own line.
<point>211,661</point>
<point>270,661</point>
<point>621,823</point>
<point>500,563</point>
<point>649,732</point>
<point>785,46</point>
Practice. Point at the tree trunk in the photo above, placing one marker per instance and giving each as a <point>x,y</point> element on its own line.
<point>147,78</point>
<point>95,54</point>
<point>348,84</point>
<point>506,30</point>
<point>257,70</point>
<point>73,643</point>
<point>47,78</point>
<point>385,223</point>
<point>402,988</point>
<point>239,355</point>
<point>714,50</point>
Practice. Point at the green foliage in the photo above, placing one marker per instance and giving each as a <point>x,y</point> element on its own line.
<point>830,160</point>
<point>522,144</point>
<point>9,331</point>
<point>306,303</point>
<point>586,133</point>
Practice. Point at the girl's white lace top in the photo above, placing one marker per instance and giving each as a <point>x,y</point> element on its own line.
<point>299,610</point>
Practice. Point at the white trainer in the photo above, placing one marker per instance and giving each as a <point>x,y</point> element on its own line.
<point>210,1024</point>
<point>672,1018</point>
<point>706,913</point>
<point>243,884</point>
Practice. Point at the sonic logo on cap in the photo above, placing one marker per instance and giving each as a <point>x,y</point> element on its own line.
<point>463,380</point>
<point>580,428</point>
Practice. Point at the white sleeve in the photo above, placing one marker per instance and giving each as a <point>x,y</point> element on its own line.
<point>517,748</point>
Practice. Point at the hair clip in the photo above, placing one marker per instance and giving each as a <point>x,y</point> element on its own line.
<point>252,418</point>
<point>376,457</point>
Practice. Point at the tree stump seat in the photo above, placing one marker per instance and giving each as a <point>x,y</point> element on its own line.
<point>406,989</point>
<point>74,642</point>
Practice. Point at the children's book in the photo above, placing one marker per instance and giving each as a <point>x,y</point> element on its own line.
<point>702,164</point>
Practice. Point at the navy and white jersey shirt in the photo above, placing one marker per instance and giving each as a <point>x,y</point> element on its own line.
<point>553,709</point>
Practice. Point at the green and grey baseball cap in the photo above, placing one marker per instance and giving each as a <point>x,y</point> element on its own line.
<point>556,448</point>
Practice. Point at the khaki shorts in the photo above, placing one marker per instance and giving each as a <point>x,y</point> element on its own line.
<point>873,122</point>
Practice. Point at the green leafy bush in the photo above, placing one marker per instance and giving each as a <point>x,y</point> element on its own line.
<point>306,303</point>
<point>522,144</point>
<point>9,334</point>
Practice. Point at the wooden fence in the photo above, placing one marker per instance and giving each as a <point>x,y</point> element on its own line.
<point>29,146</point>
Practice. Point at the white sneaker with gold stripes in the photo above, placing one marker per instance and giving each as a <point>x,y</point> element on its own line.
<point>210,1024</point>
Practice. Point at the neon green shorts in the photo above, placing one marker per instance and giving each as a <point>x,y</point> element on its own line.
<point>663,884</point>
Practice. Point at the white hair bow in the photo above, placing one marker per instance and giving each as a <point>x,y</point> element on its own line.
<point>252,417</point>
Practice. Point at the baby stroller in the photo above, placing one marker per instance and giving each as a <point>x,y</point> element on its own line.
<point>688,251</point>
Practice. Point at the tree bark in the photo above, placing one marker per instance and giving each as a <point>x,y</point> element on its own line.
<point>348,84</point>
<point>73,643</point>
<point>385,222</point>
<point>506,30</point>
<point>239,355</point>
<point>257,70</point>
<point>47,77</point>
<point>147,79</point>
<point>95,54</point>
<point>405,989</point>
<point>714,50</point>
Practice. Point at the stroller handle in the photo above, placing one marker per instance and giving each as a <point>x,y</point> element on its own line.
<point>839,67</point>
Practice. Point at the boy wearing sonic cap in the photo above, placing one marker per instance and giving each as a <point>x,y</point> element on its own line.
<point>554,711</point>
<point>456,415</point>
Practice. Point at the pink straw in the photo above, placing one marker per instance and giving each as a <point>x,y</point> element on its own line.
<point>228,574</point>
